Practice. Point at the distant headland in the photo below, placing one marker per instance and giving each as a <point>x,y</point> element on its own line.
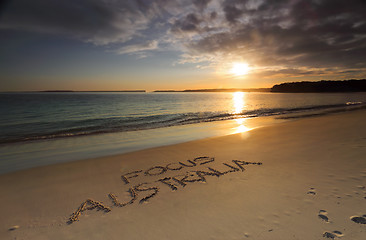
<point>351,85</point>
<point>60,91</point>
<point>221,90</point>
<point>321,86</point>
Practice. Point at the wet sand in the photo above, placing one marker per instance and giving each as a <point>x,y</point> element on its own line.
<point>304,179</point>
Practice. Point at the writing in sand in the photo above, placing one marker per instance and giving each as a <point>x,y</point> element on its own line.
<point>144,191</point>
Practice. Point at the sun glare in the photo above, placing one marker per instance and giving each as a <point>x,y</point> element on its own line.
<point>239,69</point>
<point>238,108</point>
<point>238,102</point>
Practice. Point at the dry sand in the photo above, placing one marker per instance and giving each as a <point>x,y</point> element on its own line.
<point>304,179</point>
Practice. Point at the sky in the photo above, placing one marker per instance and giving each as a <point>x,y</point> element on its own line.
<point>178,44</point>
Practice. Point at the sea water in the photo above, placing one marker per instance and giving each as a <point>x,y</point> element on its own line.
<point>46,128</point>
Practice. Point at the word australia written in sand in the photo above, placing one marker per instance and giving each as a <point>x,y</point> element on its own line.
<point>143,191</point>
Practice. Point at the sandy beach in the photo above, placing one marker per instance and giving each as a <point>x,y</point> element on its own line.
<point>303,179</point>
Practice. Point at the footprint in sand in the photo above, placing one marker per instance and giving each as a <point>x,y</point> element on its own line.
<point>359,220</point>
<point>323,215</point>
<point>13,228</point>
<point>311,191</point>
<point>333,234</point>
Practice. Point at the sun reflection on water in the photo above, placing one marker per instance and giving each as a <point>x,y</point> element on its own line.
<point>238,107</point>
<point>238,102</point>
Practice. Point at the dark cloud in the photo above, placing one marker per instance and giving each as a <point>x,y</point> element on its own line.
<point>189,23</point>
<point>100,22</point>
<point>88,20</point>
<point>213,15</point>
<point>317,34</point>
<point>201,4</point>
<point>233,10</point>
<point>291,33</point>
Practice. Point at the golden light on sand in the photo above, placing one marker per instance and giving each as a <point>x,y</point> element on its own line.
<point>240,69</point>
<point>241,128</point>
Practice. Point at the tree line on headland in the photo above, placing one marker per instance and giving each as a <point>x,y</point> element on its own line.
<point>321,86</point>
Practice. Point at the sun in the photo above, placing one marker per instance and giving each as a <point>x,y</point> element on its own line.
<point>240,69</point>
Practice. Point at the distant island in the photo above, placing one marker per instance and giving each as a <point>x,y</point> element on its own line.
<point>56,91</point>
<point>221,90</point>
<point>321,86</point>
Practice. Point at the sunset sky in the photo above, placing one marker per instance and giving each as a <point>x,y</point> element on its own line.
<point>178,44</point>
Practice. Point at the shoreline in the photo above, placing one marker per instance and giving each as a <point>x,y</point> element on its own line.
<point>28,155</point>
<point>25,155</point>
<point>304,178</point>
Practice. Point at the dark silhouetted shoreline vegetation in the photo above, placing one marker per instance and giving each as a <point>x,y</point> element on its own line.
<point>321,86</point>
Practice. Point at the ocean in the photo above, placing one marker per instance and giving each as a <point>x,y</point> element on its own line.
<point>46,128</point>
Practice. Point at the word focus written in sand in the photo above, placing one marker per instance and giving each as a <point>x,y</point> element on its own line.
<point>144,191</point>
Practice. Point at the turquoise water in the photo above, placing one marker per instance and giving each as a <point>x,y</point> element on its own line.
<point>46,128</point>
